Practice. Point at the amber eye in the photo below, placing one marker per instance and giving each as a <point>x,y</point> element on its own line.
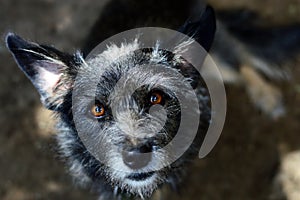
<point>98,110</point>
<point>156,98</point>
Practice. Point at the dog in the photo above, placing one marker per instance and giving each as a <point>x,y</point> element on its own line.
<point>108,133</point>
<point>237,50</point>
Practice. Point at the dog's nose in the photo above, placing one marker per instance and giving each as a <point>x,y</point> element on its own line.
<point>137,158</point>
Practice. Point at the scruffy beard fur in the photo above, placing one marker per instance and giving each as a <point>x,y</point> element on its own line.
<point>129,123</point>
<point>126,92</point>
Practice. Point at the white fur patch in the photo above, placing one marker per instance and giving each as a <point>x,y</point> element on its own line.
<point>113,51</point>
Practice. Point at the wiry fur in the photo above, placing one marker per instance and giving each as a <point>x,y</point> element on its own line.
<point>64,83</point>
<point>129,126</point>
<point>241,41</point>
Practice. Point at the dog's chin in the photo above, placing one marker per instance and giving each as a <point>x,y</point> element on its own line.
<point>141,184</point>
<point>140,178</point>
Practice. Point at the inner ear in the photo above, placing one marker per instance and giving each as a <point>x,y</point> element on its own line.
<point>46,67</point>
<point>48,80</point>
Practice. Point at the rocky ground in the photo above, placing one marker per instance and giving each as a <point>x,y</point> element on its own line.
<point>255,158</point>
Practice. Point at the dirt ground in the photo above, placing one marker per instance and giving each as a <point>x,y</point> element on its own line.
<point>242,166</point>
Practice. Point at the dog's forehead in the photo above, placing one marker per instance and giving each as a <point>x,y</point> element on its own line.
<point>128,67</point>
<point>123,82</point>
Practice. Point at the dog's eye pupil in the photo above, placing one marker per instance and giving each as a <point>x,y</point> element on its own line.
<point>156,98</point>
<point>98,110</point>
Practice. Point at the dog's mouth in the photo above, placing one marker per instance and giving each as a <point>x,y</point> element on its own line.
<point>140,176</point>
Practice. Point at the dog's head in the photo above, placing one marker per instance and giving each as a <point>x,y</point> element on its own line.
<point>121,108</point>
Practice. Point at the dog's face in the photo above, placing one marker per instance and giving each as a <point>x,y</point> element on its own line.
<point>133,110</point>
<point>118,111</point>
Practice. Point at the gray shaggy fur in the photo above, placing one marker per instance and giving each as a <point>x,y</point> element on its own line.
<point>129,123</point>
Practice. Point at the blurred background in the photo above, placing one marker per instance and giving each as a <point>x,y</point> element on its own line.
<point>255,158</point>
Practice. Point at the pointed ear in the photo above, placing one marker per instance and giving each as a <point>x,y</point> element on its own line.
<point>201,27</point>
<point>48,69</point>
